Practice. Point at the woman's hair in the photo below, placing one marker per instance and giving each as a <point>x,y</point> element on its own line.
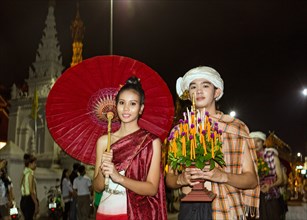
<point>63,177</point>
<point>4,177</point>
<point>4,164</point>
<point>28,158</point>
<point>133,83</point>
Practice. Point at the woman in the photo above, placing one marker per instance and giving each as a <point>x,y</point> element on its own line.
<point>29,202</point>
<point>6,192</point>
<point>135,189</point>
<point>67,192</point>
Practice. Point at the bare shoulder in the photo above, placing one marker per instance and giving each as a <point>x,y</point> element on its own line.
<point>102,141</point>
<point>157,141</point>
<point>156,144</point>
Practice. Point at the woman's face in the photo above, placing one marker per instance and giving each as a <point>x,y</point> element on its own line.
<point>203,92</point>
<point>129,107</point>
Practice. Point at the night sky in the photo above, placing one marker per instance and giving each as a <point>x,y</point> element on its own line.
<point>259,48</point>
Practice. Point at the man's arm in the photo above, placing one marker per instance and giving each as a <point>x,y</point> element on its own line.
<point>279,179</point>
<point>248,179</point>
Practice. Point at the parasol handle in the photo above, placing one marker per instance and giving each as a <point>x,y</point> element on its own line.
<point>110,116</point>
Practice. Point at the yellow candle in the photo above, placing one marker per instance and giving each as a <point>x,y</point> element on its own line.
<point>175,149</point>
<point>208,130</point>
<point>204,145</point>
<point>212,149</point>
<point>184,153</point>
<point>192,156</point>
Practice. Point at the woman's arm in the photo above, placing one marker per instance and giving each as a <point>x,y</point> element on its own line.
<point>145,188</point>
<point>10,195</point>
<point>98,180</point>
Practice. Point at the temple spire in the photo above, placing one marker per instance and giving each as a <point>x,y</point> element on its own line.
<point>48,62</point>
<point>77,30</point>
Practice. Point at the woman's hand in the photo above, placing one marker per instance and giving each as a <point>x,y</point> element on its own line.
<point>106,157</point>
<point>108,168</point>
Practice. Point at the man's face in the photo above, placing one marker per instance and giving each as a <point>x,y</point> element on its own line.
<point>258,143</point>
<point>204,93</point>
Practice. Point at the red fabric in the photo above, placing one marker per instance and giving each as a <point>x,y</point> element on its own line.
<point>71,108</point>
<point>133,154</point>
<point>100,216</point>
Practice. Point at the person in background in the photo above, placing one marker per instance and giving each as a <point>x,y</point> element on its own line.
<point>74,173</point>
<point>83,187</point>
<point>29,202</point>
<point>270,207</point>
<point>135,189</point>
<point>6,192</point>
<point>235,185</point>
<point>283,191</point>
<point>73,204</point>
<point>67,192</point>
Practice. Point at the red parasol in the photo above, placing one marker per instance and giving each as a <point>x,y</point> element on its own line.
<point>79,100</point>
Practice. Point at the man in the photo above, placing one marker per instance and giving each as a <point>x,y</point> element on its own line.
<point>83,188</point>
<point>235,185</point>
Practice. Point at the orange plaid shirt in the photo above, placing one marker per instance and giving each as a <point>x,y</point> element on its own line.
<point>230,202</point>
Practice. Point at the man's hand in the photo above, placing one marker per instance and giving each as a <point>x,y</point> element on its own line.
<point>214,175</point>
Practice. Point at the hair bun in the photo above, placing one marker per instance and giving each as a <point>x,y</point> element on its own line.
<point>133,80</point>
<point>133,83</point>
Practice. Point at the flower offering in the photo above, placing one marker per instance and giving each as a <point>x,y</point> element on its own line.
<point>263,168</point>
<point>196,140</point>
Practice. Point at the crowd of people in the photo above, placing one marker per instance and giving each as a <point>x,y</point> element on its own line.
<point>76,188</point>
<point>130,179</point>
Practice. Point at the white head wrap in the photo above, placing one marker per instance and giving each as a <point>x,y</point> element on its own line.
<point>202,72</point>
<point>258,134</point>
